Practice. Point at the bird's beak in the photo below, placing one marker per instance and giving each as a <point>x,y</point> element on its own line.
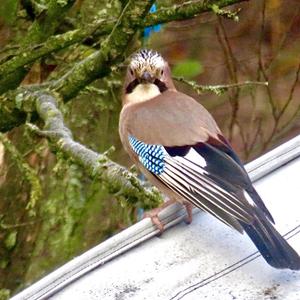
<point>147,77</point>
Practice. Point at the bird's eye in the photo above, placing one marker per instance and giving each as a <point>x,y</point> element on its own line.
<point>162,72</point>
<point>131,72</point>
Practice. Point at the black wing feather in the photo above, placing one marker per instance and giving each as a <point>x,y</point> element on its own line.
<point>227,164</point>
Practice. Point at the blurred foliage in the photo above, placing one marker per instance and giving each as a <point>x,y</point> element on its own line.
<point>187,68</point>
<point>4,294</point>
<point>8,11</point>
<point>75,212</point>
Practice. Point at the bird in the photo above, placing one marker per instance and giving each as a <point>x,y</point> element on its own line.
<point>178,146</point>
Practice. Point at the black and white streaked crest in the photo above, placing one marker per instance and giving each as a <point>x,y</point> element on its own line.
<point>146,59</point>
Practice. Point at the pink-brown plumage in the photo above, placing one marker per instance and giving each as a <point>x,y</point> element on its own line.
<point>177,144</point>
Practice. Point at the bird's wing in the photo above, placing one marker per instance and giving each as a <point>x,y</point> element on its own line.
<point>184,172</point>
<point>178,141</point>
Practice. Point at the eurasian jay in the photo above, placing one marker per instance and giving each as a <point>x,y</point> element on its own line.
<point>177,144</point>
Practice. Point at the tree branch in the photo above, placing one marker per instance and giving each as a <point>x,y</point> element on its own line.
<point>117,179</point>
<point>217,89</point>
<point>15,104</point>
<point>186,10</point>
<point>43,27</point>
<point>19,102</point>
<point>29,173</point>
<point>53,44</point>
<point>112,48</point>
<point>103,26</point>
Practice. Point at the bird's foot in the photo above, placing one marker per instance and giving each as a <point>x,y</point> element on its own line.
<point>189,211</point>
<point>153,214</point>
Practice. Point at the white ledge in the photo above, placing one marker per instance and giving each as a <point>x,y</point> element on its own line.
<point>143,231</point>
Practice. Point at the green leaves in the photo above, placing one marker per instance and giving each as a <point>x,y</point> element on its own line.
<point>8,11</point>
<point>11,240</point>
<point>187,68</point>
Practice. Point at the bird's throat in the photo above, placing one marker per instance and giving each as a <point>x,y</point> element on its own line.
<point>143,92</point>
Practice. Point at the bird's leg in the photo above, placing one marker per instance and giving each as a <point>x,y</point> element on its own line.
<point>153,214</point>
<point>189,210</point>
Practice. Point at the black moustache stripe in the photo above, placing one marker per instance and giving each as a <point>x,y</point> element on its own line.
<point>161,85</point>
<point>131,86</point>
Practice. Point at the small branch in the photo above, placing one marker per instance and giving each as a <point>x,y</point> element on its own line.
<point>290,97</point>
<point>289,100</point>
<point>217,89</point>
<point>30,174</point>
<point>261,67</point>
<point>14,226</point>
<point>42,28</point>
<point>226,13</point>
<point>232,69</point>
<point>98,64</point>
<point>280,113</point>
<point>53,44</point>
<point>187,10</point>
<point>100,28</point>
<point>117,179</point>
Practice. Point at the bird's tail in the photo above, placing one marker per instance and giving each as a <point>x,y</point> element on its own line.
<point>272,246</point>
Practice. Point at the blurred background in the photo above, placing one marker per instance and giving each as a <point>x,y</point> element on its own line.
<point>74,213</point>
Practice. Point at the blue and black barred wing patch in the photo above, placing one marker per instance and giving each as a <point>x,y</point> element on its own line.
<point>151,156</point>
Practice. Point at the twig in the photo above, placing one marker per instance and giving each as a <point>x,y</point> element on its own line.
<point>30,174</point>
<point>101,27</point>
<point>39,31</point>
<point>218,89</point>
<point>290,97</point>
<point>99,64</point>
<point>13,226</point>
<point>186,10</point>
<point>231,65</point>
<point>226,13</point>
<point>53,44</point>
<point>261,68</point>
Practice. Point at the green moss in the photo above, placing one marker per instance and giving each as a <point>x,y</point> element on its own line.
<point>11,240</point>
<point>4,294</point>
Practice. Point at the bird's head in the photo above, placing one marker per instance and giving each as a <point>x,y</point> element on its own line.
<point>148,75</point>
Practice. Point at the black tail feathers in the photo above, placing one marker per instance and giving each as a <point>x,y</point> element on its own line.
<point>272,246</point>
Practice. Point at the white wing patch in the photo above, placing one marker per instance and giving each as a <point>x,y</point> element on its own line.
<point>195,157</point>
<point>249,199</point>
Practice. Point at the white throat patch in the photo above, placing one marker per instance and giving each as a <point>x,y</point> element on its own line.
<point>143,92</point>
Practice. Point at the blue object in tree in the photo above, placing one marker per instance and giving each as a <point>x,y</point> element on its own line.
<point>156,28</point>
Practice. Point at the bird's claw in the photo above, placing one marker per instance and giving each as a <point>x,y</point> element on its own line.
<point>153,215</point>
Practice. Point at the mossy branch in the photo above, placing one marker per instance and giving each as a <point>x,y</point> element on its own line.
<point>117,179</point>
<point>12,105</point>
<point>53,44</point>
<point>186,10</point>
<point>103,26</point>
<point>43,27</point>
<point>112,48</point>
<point>217,89</point>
